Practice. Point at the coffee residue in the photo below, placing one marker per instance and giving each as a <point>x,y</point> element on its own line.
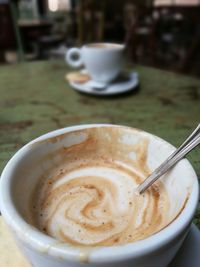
<point>86,197</point>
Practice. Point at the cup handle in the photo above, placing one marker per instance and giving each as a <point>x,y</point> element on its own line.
<point>73,57</point>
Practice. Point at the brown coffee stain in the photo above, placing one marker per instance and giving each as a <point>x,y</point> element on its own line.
<point>180,211</point>
<point>90,203</point>
<point>84,254</point>
<point>12,126</point>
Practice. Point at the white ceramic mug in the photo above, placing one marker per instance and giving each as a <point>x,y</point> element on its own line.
<point>103,61</point>
<point>21,174</point>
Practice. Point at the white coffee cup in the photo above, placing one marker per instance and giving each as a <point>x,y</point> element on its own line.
<point>103,61</point>
<point>29,163</point>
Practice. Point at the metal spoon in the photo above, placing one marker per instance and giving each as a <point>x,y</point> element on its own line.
<point>97,85</point>
<point>190,143</point>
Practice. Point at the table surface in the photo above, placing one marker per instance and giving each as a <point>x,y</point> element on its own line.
<point>35,98</point>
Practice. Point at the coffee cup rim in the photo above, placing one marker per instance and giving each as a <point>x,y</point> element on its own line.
<point>32,237</point>
<point>118,46</point>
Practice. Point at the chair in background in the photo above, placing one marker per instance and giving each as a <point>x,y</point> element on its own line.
<point>10,32</point>
<point>55,37</point>
<point>90,21</point>
<point>139,34</point>
<point>192,58</point>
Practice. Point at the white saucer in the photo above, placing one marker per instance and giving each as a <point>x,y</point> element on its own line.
<point>123,84</point>
<point>189,253</point>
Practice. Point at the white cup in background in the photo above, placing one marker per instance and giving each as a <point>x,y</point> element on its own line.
<point>103,61</point>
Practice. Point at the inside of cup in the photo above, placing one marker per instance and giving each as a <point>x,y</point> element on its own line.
<point>116,159</point>
<point>105,46</point>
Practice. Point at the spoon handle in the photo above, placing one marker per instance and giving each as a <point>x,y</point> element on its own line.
<point>190,143</point>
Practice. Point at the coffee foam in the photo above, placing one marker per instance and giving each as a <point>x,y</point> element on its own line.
<point>105,46</point>
<point>87,195</point>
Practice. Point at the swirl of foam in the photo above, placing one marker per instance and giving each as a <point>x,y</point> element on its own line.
<point>97,206</point>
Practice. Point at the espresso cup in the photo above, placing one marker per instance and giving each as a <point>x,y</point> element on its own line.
<point>103,61</point>
<point>92,172</point>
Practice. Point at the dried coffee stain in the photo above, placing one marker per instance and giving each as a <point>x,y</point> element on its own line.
<point>20,125</point>
<point>87,101</point>
<point>48,103</point>
<point>167,101</point>
<point>101,147</point>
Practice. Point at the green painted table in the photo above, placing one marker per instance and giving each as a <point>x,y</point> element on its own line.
<point>35,99</point>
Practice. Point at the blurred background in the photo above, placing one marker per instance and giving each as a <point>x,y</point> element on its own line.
<point>161,33</point>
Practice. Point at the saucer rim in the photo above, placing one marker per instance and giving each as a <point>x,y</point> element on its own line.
<point>105,92</point>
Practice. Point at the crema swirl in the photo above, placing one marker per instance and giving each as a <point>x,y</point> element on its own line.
<point>87,197</point>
